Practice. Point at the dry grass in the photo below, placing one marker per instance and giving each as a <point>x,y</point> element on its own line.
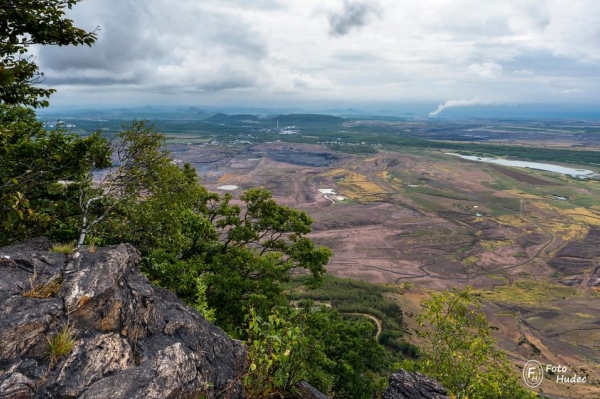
<point>584,215</point>
<point>532,293</point>
<point>492,245</point>
<point>470,260</point>
<point>45,289</point>
<point>359,187</point>
<point>226,178</point>
<point>61,343</point>
<point>63,248</point>
<point>512,221</point>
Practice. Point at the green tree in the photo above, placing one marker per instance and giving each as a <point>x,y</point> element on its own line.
<point>339,357</point>
<point>138,157</point>
<point>344,360</point>
<point>460,352</point>
<point>243,253</point>
<point>22,24</point>
<point>41,173</point>
<point>276,354</point>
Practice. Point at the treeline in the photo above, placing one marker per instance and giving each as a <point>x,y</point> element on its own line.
<point>354,296</point>
<point>361,297</point>
<point>389,139</point>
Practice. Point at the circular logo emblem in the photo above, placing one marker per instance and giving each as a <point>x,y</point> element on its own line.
<point>533,374</point>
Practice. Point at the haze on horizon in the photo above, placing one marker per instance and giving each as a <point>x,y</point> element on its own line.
<point>294,53</point>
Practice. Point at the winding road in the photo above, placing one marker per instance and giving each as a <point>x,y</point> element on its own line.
<point>375,320</point>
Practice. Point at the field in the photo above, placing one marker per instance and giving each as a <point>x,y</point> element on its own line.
<point>440,222</point>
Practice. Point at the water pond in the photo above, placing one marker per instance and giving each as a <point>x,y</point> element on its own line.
<point>580,173</point>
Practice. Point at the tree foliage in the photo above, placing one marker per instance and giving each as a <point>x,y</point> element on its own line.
<point>339,357</point>
<point>276,355</point>
<point>41,173</point>
<point>460,352</point>
<point>344,361</point>
<point>22,24</point>
<point>137,157</point>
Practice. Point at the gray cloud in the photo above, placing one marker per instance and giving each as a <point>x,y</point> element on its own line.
<point>160,44</point>
<point>359,56</point>
<point>353,15</point>
<point>92,81</point>
<point>279,50</point>
<point>267,5</point>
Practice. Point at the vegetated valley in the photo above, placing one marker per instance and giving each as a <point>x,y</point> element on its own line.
<point>405,219</point>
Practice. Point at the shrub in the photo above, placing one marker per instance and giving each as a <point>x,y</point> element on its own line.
<point>61,343</point>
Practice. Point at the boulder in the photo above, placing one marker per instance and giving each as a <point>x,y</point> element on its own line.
<point>129,339</point>
<point>307,391</point>
<point>405,385</point>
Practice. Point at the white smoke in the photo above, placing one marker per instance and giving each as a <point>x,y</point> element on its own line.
<point>460,103</point>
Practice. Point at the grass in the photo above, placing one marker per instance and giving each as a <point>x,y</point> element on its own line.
<point>425,202</point>
<point>61,343</point>
<point>497,210</point>
<point>510,203</point>
<point>531,293</point>
<point>42,290</point>
<point>437,193</point>
<point>63,248</point>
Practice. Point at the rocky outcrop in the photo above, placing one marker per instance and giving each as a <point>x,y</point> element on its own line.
<point>405,385</point>
<point>307,391</point>
<point>129,339</point>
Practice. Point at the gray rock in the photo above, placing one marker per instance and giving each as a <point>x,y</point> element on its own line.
<point>405,385</point>
<point>26,322</point>
<point>130,339</point>
<point>17,386</point>
<point>307,391</point>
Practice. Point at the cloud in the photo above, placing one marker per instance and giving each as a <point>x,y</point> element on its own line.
<point>309,50</point>
<point>353,15</point>
<point>573,91</point>
<point>169,47</point>
<point>485,70</point>
<point>524,72</point>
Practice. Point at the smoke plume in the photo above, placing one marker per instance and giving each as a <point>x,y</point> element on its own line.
<point>459,103</point>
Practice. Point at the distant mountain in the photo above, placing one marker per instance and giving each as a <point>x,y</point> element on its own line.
<point>344,111</point>
<point>308,119</point>
<point>147,112</point>
<point>224,118</point>
<point>194,110</point>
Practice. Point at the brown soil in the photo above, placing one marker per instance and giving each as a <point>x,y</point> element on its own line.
<point>425,230</point>
<point>522,177</point>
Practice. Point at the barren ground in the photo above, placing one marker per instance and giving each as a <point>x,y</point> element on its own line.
<point>442,222</point>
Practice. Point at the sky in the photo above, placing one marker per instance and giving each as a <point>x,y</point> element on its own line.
<point>298,53</point>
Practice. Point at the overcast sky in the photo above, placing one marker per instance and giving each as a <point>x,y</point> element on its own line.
<point>298,52</point>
